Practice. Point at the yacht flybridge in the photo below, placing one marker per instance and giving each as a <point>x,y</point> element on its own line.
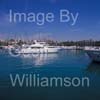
<point>38,47</point>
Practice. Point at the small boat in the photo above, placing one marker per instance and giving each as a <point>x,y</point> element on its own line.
<point>38,47</point>
<point>93,53</point>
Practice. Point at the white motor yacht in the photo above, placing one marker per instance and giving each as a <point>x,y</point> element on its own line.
<point>38,47</point>
<point>93,53</point>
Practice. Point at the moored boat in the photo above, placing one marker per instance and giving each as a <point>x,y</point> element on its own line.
<point>38,47</point>
<point>93,53</point>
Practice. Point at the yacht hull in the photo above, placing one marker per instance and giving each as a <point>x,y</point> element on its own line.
<point>30,51</point>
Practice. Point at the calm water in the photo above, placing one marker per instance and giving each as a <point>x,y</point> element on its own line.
<point>65,63</point>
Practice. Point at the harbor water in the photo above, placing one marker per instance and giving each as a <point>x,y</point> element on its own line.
<point>66,63</point>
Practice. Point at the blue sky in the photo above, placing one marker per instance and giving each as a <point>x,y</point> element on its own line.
<point>87,26</point>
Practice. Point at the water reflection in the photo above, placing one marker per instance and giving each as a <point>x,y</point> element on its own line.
<point>94,68</point>
<point>38,59</point>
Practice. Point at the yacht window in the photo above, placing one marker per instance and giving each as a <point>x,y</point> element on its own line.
<point>51,47</point>
<point>36,47</point>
